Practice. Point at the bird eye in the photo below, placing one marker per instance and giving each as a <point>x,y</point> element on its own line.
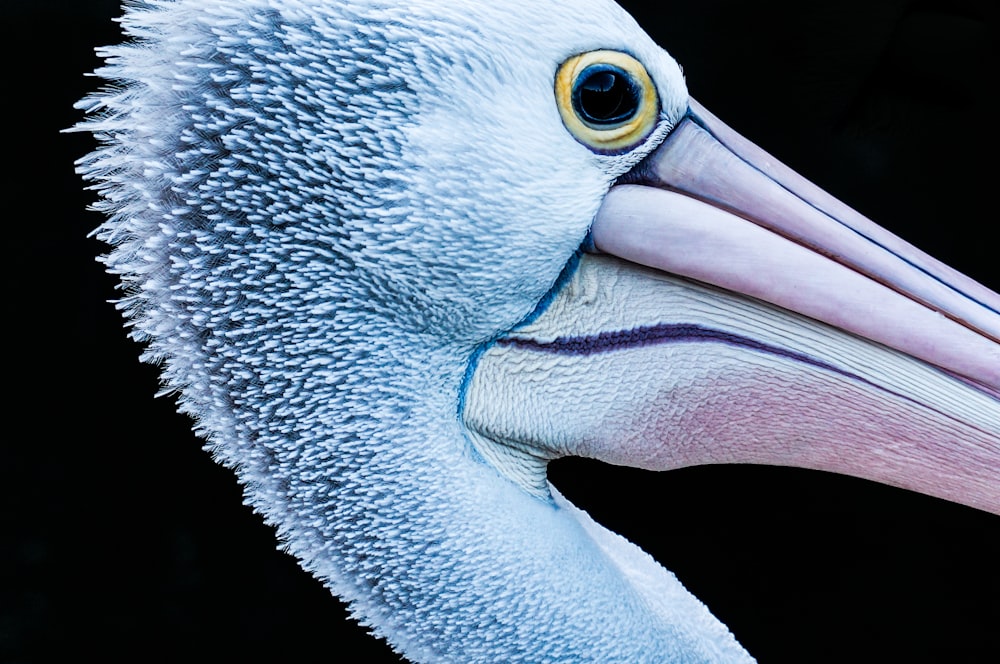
<point>606,100</point>
<point>605,97</point>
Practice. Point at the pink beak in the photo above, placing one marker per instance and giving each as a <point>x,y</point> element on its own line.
<point>712,206</point>
<point>821,340</point>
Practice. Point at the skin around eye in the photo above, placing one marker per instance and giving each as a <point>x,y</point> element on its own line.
<point>606,100</point>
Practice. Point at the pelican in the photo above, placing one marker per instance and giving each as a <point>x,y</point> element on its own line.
<point>396,257</point>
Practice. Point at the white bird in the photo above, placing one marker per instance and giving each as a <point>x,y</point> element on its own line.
<point>391,257</point>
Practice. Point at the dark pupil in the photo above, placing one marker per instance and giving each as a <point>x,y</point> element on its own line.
<point>605,95</point>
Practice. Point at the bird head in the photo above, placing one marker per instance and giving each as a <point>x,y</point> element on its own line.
<point>395,257</point>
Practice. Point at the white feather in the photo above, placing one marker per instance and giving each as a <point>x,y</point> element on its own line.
<point>319,212</point>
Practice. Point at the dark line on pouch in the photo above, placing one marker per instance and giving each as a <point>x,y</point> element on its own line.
<point>664,333</point>
<point>654,335</point>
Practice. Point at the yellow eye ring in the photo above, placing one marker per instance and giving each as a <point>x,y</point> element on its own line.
<point>606,100</point>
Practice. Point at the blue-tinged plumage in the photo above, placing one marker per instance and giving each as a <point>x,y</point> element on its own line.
<point>307,256</point>
<point>323,214</point>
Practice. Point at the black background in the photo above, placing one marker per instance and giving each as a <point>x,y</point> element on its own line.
<point>122,541</point>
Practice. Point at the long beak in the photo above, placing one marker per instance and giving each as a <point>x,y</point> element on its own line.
<point>809,337</point>
<point>718,209</point>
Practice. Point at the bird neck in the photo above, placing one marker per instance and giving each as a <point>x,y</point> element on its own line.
<point>385,501</point>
